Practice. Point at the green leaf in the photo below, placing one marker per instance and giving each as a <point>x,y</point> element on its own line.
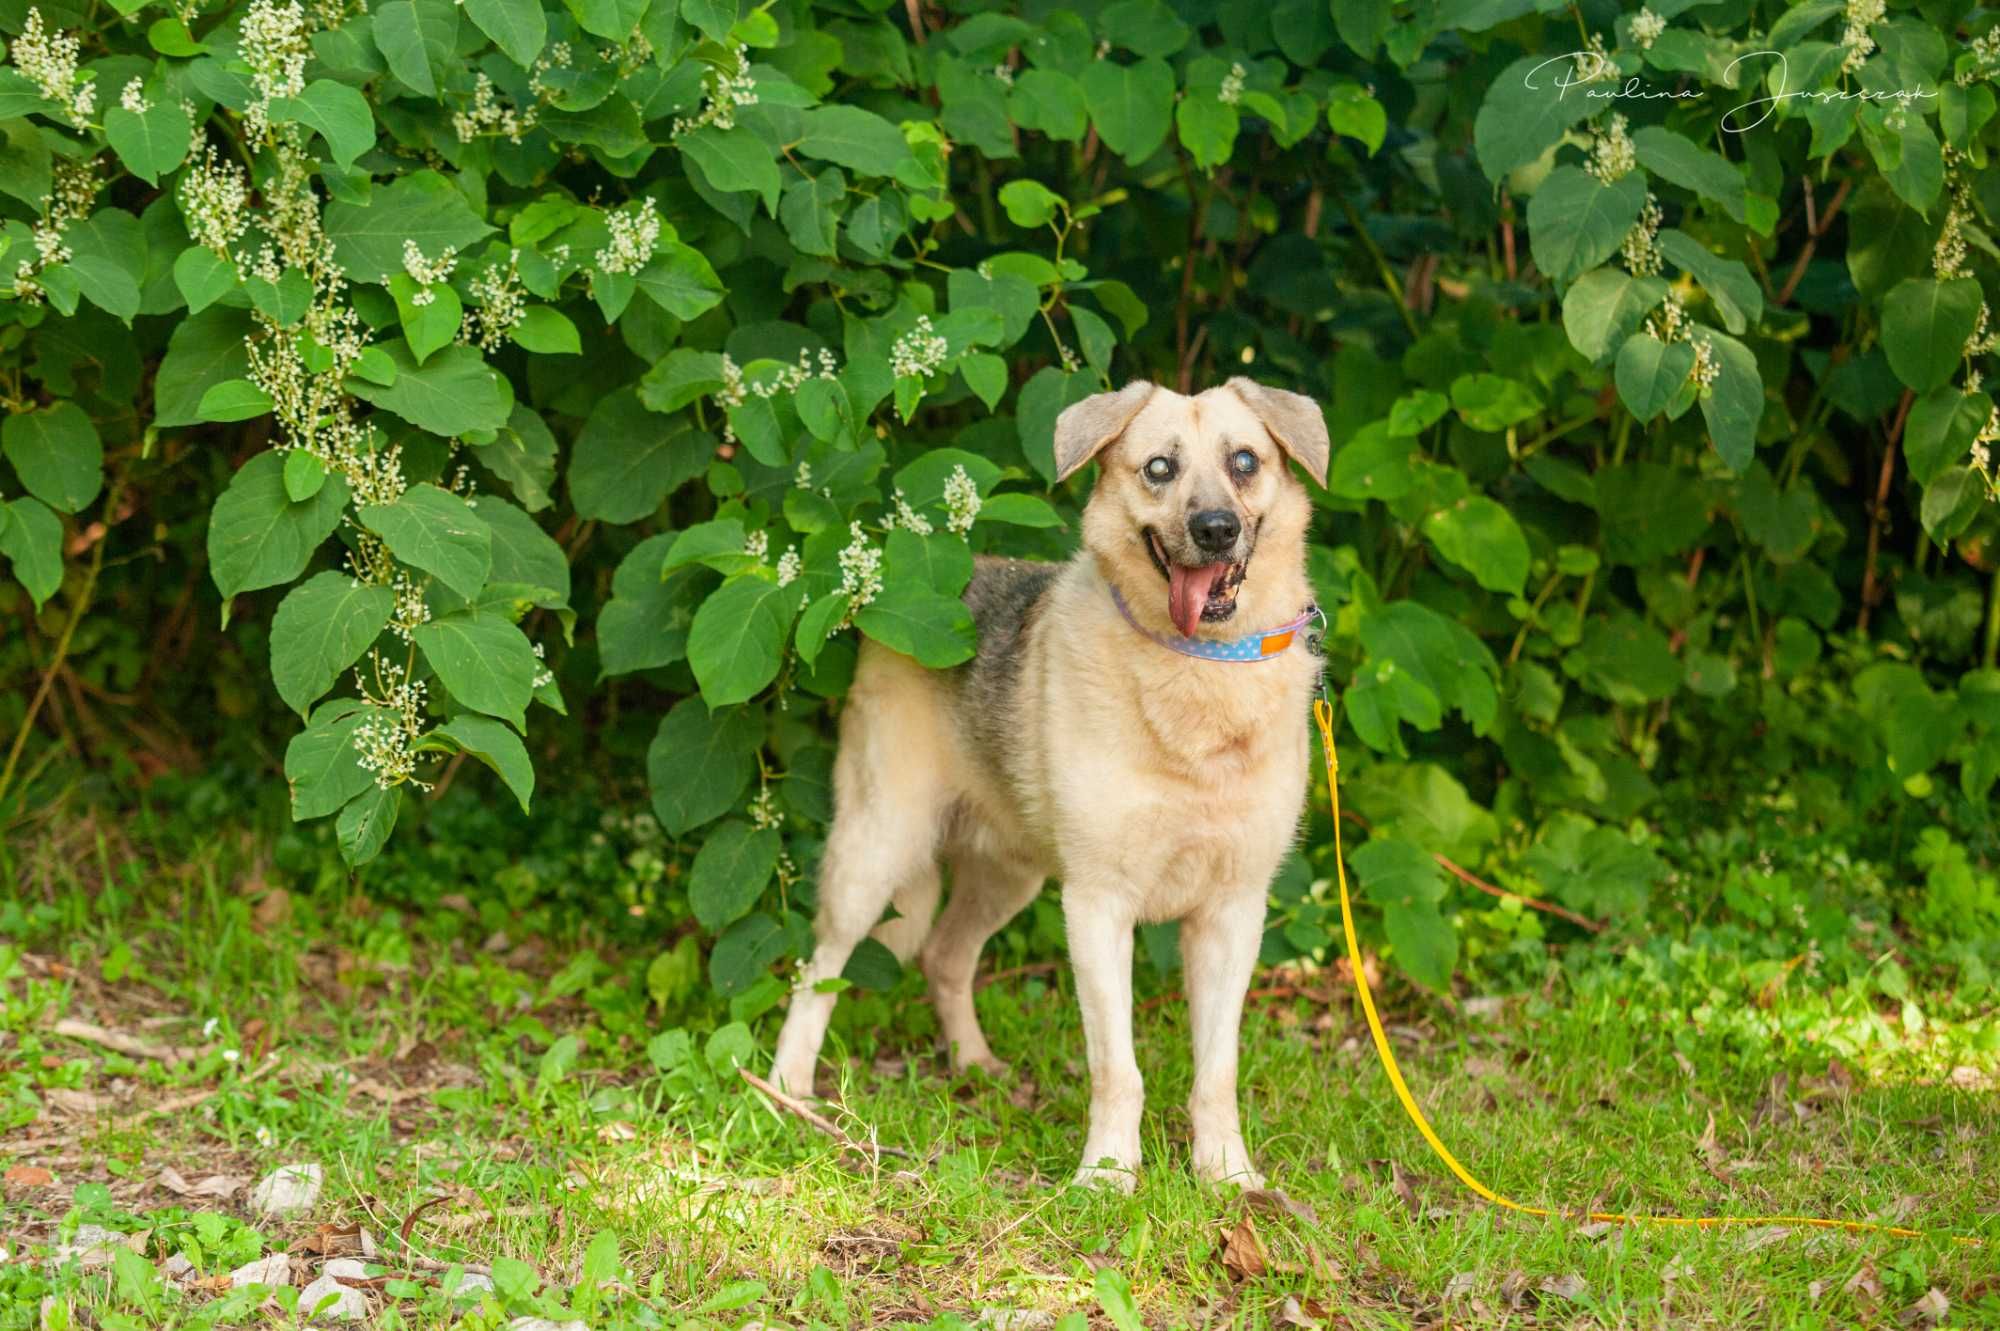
<point>203,277</point>
<point>1604,307</point>
<point>1375,464</point>
<point>234,400</point>
<point>524,456</point>
<point>738,637</point>
<point>57,454</point>
<point>940,561</point>
<point>518,27</point>
<point>1492,402</point>
<point>257,537</point>
<point>1050,102</point>
<point>734,162</point>
<point>1030,203</point>
<point>436,531</point>
<point>1113,1289</point>
<point>1406,883</point>
<point>1207,127</point>
<point>1351,111</point>
<point>304,474</point>
<point>1576,221</point>
<point>1951,501</point>
<point>484,662</point>
<point>730,872</point>
<point>1482,538</point>
<point>499,748</point>
<point>1626,660</point>
<point>417,39</point>
<point>920,622</point>
<point>1019,510</point>
<point>680,281</point>
<point>744,955</point>
<point>546,331</point>
<point>24,161</point>
<point>430,316</point>
<point>1728,283</point>
<point>322,766</point>
<point>455,392</point>
<point>364,825</point>
<point>1650,372</point>
<point>1674,157</point>
<point>700,763</point>
<point>645,623</point>
<point>1525,114</point>
<point>627,460</point>
<point>810,211</point>
<point>1925,324</point>
<point>1942,425</point>
<point>851,137</point>
<point>338,113</point>
<point>422,207</point>
<point>31,538</point>
<point>1132,105</point>
<point>322,627</point>
<point>1734,404</point>
<point>150,143</point>
<point>712,18</point>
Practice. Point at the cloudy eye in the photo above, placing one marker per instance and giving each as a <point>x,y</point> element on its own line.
<point>1160,469</point>
<point>1243,462</point>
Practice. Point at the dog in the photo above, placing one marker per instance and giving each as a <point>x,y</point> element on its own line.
<point>1081,742</point>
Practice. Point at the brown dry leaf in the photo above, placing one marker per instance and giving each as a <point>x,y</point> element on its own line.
<point>1243,1254</point>
<point>1595,1229</point>
<point>617,1130</point>
<point>1293,1313</point>
<point>1564,1287</point>
<point>1685,1064</point>
<point>77,1104</point>
<point>1271,1201</point>
<point>338,1241</point>
<point>28,1176</point>
<point>1401,1182</point>
<point>1763,1236</point>
<point>1460,1285</point>
<point>215,1185</point>
<point>1814,1290</point>
<point>272,909</point>
<point>388,1095</point>
<point>1931,1309</point>
<point>1514,1288</point>
<point>1862,1284</point>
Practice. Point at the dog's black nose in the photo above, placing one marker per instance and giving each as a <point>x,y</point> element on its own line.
<point>1215,530</point>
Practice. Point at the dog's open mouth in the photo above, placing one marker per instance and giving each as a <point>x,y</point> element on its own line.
<point>1195,595</point>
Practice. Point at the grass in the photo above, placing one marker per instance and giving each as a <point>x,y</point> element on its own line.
<point>517,1094</point>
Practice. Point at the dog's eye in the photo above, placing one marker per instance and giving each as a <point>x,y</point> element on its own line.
<point>1244,462</point>
<point>1160,469</point>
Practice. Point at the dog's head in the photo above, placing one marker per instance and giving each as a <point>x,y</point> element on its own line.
<point>1195,509</point>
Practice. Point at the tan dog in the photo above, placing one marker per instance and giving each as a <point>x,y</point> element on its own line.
<point>1079,744</point>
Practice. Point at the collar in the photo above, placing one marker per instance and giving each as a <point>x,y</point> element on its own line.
<point>1260,646</point>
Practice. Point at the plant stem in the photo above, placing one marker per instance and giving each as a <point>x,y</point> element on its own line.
<point>1389,279</point>
<point>1992,656</point>
<point>78,608</point>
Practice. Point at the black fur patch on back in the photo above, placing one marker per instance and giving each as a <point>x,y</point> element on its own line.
<point>1004,597</point>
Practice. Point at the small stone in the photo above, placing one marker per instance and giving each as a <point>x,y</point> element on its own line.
<point>543,1324</point>
<point>1014,1319</point>
<point>345,1266</point>
<point>176,1267</point>
<point>92,1245</point>
<point>342,1304</point>
<point>287,1190</point>
<point>275,1269</point>
<point>472,1285</point>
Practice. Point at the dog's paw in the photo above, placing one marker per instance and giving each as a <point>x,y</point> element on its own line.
<point>1111,1178</point>
<point>995,1068</point>
<point>1228,1167</point>
<point>794,1077</point>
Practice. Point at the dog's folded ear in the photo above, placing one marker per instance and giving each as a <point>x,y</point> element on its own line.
<point>1086,427</point>
<point>1293,419</point>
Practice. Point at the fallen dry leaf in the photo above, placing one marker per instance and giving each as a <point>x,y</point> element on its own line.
<point>1564,1287</point>
<point>220,1186</point>
<point>1273,1202</point>
<point>1460,1285</point>
<point>1763,1236</point>
<point>119,1041</point>
<point>1931,1309</point>
<point>77,1104</point>
<point>1408,1194</point>
<point>28,1176</point>
<point>1243,1254</point>
<point>1862,1284</point>
<point>1295,1313</point>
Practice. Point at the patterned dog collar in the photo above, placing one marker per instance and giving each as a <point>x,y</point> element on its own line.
<point>1260,646</point>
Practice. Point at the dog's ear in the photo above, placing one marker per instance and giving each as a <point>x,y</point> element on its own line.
<point>1293,419</point>
<point>1086,427</point>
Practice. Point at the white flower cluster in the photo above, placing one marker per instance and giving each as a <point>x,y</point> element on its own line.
<point>133,99</point>
<point>215,199</point>
<point>764,810</point>
<point>502,302</point>
<point>634,236</point>
<point>488,115</point>
<point>802,479</point>
<point>1706,367</point>
<point>1613,157</point>
<point>1647,27</point>
<point>1948,255</point>
<point>918,352</point>
<point>1985,52</point>
<point>1231,91</point>
<point>1593,63</point>
<point>906,517</point>
<point>543,675</point>
<point>1860,14</point>
<point>1004,74</point>
<point>274,46</point>
<point>726,92</point>
<point>557,56</point>
<point>1984,339</point>
<point>385,742</point>
<point>961,501</point>
<point>412,609</point>
<point>1671,324</point>
<point>789,566</point>
<point>73,189</point>
<point>860,571</point>
<point>1641,246</point>
<point>757,545</point>
<point>427,273</point>
<point>49,61</point>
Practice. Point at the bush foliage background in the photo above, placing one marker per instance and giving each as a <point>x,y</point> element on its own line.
<point>565,387</point>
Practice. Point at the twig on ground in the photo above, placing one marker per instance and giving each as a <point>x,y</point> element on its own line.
<point>1016,972</point>
<point>800,1109</point>
<point>119,1041</point>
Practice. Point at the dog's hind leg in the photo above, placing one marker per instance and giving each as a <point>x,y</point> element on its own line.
<point>890,790</point>
<point>1218,953</point>
<point>984,896</point>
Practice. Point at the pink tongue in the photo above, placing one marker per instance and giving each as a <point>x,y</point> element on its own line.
<point>1188,590</point>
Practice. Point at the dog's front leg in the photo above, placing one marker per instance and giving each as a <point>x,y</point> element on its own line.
<point>1218,951</point>
<point>1099,925</point>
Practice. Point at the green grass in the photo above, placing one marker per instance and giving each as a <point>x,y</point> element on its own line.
<point>494,1082</point>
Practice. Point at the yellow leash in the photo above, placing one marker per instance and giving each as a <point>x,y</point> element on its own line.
<point>1323,714</point>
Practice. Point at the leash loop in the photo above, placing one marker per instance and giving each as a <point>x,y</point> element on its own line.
<point>1323,716</point>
